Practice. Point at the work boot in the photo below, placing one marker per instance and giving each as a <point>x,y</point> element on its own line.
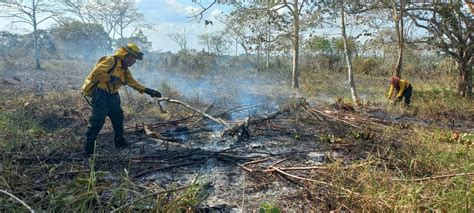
<point>89,149</point>
<point>120,142</point>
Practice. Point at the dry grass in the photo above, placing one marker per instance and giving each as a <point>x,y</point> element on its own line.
<point>35,125</point>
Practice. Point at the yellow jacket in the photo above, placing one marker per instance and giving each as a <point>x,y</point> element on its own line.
<point>403,84</point>
<point>100,76</point>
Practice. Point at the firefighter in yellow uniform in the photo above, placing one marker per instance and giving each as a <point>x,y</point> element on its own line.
<point>102,85</point>
<point>402,88</point>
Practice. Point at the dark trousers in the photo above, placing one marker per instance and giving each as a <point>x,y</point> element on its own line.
<point>105,104</point>
<point>407,95</point>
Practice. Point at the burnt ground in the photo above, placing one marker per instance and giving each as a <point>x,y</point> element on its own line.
<point>265,161</point>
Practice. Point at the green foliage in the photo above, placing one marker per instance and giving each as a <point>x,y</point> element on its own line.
<point>83,193</point>
<point>191,197</point>
<point>319,44</point>
<point>435,102</point>
<point>266,207</point>
<point>17,129</point>
<point>338,45</point>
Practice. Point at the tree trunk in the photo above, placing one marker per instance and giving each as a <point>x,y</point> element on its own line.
<point>465,78</point>
<point>295,71</point>
<point>258,58</point>
<point>37,53</point>
<point>355,99</point>
<point>236,46</point>
<point>296,46</point>
<point>267,64</point>
<point>35,33</point>
<point>398,19</point>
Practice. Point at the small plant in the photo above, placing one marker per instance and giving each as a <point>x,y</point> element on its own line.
<point>266,207</point>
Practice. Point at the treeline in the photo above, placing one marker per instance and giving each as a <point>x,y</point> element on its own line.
<point>389,37</point>
<point>71,40</point>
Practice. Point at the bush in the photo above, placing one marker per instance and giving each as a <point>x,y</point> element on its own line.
<point>367,66</point>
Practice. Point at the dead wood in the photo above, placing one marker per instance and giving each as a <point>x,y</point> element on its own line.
<point>156,135</point>
<point>319,112</point>
<point>146,172</point>
<point>296,168</point>
<point>242,127</point>
<point>207,110</point>
<point>349,120</point>
<point>219,121</point>
<point>196,156</point>
<point>280,161</point>
<point>256,161</point>
<point>237,109</point>
<point>149,195</point>
<point>17,199</point>
<point>244,166</point>
<point>315,181</point>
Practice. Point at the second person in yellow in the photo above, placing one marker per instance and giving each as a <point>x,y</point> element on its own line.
<point>402,88</point>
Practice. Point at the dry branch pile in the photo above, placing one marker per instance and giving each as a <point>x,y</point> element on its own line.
<point>299,147</point>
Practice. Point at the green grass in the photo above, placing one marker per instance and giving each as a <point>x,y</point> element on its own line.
<point>17,130</point>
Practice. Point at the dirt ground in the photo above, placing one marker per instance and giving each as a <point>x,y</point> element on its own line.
<point>267,160</point>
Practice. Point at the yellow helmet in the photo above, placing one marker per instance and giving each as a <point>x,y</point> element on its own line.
<point>133,49</point>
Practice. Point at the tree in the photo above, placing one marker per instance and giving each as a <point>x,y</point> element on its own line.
<point>32,13</point>
<point>347,54</point>
<point>319,44</point>
<point>139,38</point>
<point>288,19</point>
<point>215,43</point>
<point>77,8</point>
<point>219,43</point>
<point>397,15</point>
<point>205,40</point>
<point>115,16</point>
<point>180,39</point>
<point>127,15</point>
<point>338,44</point>
<point>450,28</point>
<point>78,39</point>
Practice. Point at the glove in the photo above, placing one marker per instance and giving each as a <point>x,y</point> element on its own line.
<point>115,80</point>
<point>153,93</point>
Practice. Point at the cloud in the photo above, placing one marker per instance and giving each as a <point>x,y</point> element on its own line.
<point>216,13</point>
<point>179,7</point>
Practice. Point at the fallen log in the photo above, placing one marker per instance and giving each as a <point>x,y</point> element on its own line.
<point>207,110</point>
<point>350,192</point>
<point>242,127</point>
<point>217,120</point>
<point>157,135</point>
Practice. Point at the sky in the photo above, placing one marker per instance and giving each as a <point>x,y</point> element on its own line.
<point>171,16</point>
<point>167,16</point>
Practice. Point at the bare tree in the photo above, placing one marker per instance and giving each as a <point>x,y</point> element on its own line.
<point>288,18</point>
<point>347,54</point>
<point>180,39</point>
<point>115,16</point>
<point>77,8</point>
<point>32,13</point>
<point>205,39</point>
<point>398,11</point>
<point>127,15</point>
